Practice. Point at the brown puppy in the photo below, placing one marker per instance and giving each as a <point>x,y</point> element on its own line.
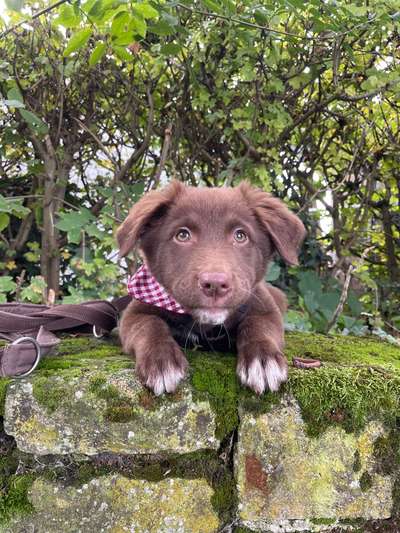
<point>210,248</point>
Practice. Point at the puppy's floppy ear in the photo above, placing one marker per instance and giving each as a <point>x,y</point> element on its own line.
<point>152,205</point>
<point>285,229</point>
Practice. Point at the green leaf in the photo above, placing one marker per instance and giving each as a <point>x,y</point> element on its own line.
<point>93,231</point>
<point>161,28</point>
<point>7,284</point>
<point>261,16</point>
<point>309,282</point>
<point>328,303</point>
<point>75,296</point>
<point>170,49</point>
<point>4,221</point>
<point>354,304</point>
<point>15,5</point>
<point>97,9</point>
<point>146,11</point>
<point>124,39</point>
<point>296,321</point>
<point>67,17</point>
<point>13,103</point>
<point>357,11</point>
<point>212,6</point>
<point>34,292</point>
<point>273,272</point>
<point>33,120</point>
<point>97,54</point>
<point>77,41</point>
<point>4,205</point>
<point>17,209</point>
<point>119,22</point>
<point>14,94</point>
<point>75,235</point>
<point>310,301</point>
<point>122,53</point>
<point>74,220</point>
<point>138,25</point>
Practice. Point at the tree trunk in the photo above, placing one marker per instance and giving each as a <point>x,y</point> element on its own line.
<point>54,185</point>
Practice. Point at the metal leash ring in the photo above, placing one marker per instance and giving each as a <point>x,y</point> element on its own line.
<point>38,355</point>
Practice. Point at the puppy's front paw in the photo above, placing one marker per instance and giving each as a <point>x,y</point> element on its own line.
<point>261,367</point>
<point>162,368</point>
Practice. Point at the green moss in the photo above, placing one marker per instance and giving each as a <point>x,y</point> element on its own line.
<point>85,352</point>
<point>387,453</point>
<point>97,382</point>
<point>323,521</point>
<point>14,496</point>
<point>48,393</point>
<point>360,379</point>
<point>357,462</point>
<point>119,408</point>
<point>366,481</point>
<point>205,464</point>
<point>208,465</point>
<point>347,396</point>
<point>343,349</point>
<point>87,345</point>
<point>364,383</point>
<point>13,487</point>
<point>3,390</point>
<point>213,377</point>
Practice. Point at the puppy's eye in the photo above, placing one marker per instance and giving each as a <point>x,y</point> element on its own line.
<point>183,235</point>
<point>240,236</point>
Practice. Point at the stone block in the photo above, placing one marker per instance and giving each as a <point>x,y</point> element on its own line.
<point>290,481</point>
<point>118,504</point>
<point>105,411</point>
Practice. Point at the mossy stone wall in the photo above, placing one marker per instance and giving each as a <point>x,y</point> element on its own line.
<point>322,455</point>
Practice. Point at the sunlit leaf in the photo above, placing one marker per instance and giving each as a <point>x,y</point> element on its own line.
<point>77,41</point>
<point>97,54</point>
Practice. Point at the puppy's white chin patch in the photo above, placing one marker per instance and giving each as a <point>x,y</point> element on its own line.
<point>210,316</point>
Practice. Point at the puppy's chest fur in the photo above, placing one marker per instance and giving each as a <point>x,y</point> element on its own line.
<point>190,334</point>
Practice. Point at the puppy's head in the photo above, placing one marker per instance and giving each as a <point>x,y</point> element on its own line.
<point>210,247</point>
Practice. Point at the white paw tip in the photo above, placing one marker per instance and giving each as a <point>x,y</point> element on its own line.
<point>172,377</point>
<point>275,375</point>
<point>166,382</point>
<point>256,376</point>
<point>259,377</point>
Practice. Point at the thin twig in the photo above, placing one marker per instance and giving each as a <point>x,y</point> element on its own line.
<point>33,17</point>
<point>346,176</point>
<point>242,22</point>
<point>342,301</point>
<point>103,148</point>
<point>20,280</point>
<point>164,154</point>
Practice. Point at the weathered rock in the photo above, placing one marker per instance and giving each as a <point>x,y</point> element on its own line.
<point>117,504</point>
<point>288,481</point>
<point>104,411</point>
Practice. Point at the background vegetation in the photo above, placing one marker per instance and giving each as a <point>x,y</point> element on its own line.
<point>105,99</point>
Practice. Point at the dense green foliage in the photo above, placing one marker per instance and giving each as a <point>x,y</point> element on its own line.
<point>106,99</point>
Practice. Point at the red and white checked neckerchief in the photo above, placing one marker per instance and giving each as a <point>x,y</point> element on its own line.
<point>144,287</point>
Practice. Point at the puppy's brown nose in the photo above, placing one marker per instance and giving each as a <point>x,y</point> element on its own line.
<point>215,284</point>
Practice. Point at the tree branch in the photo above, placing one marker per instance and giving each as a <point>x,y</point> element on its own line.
<point>33,17</point>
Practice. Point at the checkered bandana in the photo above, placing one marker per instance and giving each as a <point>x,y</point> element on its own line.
<point>144,287</point>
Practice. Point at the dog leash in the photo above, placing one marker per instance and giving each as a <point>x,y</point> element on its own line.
<point>29,328</point>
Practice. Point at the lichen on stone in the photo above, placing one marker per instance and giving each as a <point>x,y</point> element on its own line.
<point>116,504</point>
<point>285,475</point>
<point>104,411</point>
